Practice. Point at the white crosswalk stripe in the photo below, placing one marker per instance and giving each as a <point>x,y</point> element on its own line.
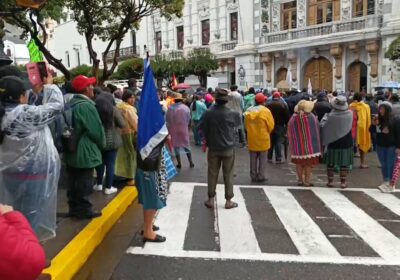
<point>239,241</point>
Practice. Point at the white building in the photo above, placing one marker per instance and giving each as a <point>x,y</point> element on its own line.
<point>14,46</point>
<point>336,44</point>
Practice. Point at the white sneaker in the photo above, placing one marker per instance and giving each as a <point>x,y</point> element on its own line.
<point>98,188</point>
<point>386,187</point>
<point>111,190</point>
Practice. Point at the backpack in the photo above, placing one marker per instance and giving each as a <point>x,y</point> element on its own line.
<point>69,139</point>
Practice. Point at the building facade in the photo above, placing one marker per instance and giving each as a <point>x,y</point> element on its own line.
<point>334,44</point>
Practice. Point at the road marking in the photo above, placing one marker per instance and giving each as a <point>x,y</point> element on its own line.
<point>305,234</point>
<point>388,200</point>
<point>377,237</point>
<point>173,219</point>
<point>235,229</point>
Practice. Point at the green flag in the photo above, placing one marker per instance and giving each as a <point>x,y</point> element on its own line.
<point>34,52</point>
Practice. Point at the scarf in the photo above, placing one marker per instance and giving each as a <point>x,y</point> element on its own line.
<point>303,134</point>
<point>337,125</point>
<point>363,124</point>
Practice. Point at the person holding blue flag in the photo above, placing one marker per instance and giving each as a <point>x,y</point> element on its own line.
<point>151,174</point>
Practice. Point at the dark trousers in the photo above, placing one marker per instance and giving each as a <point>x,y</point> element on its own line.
<point>79,188</point>
<point>109,158</point>
<point>258,162</point>
<point>215,160</point>
<point>277,139</point>
<point>196,134</point>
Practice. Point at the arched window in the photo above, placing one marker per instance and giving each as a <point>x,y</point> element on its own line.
<point>323,11</point>
<point>363,8</point>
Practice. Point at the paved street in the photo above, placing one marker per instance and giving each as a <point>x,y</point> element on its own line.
<point>278,232</point>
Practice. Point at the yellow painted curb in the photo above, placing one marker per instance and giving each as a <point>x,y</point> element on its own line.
<point>71,259</point>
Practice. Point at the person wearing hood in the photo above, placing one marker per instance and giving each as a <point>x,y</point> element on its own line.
<point>236,104</point>
<point>385,141</point>
<point>249,99</point>
<point>259,125</point>
<point>295,98</point>
<point>281,115</point>
<point>322,106</point>
<point>304,141</point>
<point>337,140</point>
<point>363,138</point>
<point>29,162</point>
<point>197,110</point>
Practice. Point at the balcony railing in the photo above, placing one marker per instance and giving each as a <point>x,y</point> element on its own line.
<point>124,53</point>
<point>324,29</point>
<point>228,46</point>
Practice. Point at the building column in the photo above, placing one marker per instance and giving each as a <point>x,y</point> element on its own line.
<point>337,53</point>
<point>345,9</point>
<point>266,59</point>
<point>245,23</point>
<point>276,16</point>
<point>372,48</point>
<point>292,59</point>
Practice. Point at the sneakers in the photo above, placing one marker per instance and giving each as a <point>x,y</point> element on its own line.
<point>110,190</point>
<point>98,188</point>
<point>386,187</point>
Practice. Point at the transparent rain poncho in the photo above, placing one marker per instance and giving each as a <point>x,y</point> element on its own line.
<point>29,161</point>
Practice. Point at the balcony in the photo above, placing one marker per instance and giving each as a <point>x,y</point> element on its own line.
<point>355,24</point>
<point>124,53</point>
<point>228,46</point>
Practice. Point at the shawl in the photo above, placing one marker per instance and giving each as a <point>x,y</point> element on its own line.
<point>178,120</point>
<point>363,125</point>
<point>337,125</point>
<point>303,134</point>
<point>128,112</point>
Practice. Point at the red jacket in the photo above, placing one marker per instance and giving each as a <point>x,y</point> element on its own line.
<point>21,255</point>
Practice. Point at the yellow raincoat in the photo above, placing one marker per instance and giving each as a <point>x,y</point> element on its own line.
<point>259,125</point>
<point>363,124</point>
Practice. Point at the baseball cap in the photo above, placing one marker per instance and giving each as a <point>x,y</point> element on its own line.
<point>79,83</point>
<point>276,95</point>
<point>260,98</point>
<point>11,88</point>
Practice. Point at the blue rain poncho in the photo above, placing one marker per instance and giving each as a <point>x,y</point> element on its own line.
<point>29,162</point>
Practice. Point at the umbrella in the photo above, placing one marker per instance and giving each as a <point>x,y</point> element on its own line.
<point>183,86</point>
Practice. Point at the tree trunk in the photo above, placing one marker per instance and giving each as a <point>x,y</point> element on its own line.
<point>203,80</point>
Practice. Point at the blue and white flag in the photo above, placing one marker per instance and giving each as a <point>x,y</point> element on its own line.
<point>152,129</point>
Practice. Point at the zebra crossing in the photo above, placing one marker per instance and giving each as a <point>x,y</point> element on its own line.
<point>281,224</point>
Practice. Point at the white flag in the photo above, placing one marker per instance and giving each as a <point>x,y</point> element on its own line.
<point>309,88</point>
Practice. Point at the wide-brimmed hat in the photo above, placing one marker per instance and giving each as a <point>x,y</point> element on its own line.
<point>221,94</point>
<point>305,106</point>
<point>177,96</point>
<point>340,103</point>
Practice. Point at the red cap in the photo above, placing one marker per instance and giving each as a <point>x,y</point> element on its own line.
<point>81,82</point>
<point>276,95</point>
<point>260,98</point>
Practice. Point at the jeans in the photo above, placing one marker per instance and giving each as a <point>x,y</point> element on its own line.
<point>80,186</point>
<point>109,158</point>
<point>277,139</point>
<point>215,160</point>
<point>387,158</point>
<point>196,134</point>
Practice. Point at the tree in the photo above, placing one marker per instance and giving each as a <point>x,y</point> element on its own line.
<point>393,52</point>
<point>83,69</point>
<point>107,20</point>
<point>31,21</point>
<point>131,68</point>
<point>200,63</point>
<point>111,20</point>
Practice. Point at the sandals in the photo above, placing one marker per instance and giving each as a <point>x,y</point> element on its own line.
<point>155,228</point>
<point>158,239</point>
<point>209,205</point>
<point>231,205</point>
<point>364,166</point>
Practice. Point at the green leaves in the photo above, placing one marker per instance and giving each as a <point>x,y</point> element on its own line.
<point>130,68</point>
<point>84,69</point>
<point>393,51</point>
<point>202,61</point>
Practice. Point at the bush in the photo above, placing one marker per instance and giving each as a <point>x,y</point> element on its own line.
<point>83,69</point>
<point>130,68</point>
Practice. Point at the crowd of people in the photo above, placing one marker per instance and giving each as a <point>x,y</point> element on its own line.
<point>45,132</point>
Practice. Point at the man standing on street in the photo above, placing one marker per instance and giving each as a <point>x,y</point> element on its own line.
<point>281,115</point>
<point>259,125</point>
<point>218,125</point>
<point>236,104</point>
<point>90,140</point>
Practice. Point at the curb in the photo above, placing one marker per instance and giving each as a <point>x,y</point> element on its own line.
<point>70,259</point>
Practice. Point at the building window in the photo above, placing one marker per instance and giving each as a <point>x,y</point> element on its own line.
<point>234,26</point>
<point>180,37</point>
<point>363,7</point>
<point>158,42</point>
<point>205,32</point>
<point>323,11</point>
<point>289,15</point>
<point>67,58</point>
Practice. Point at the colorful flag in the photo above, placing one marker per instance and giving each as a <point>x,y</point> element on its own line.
<point>152,129</point>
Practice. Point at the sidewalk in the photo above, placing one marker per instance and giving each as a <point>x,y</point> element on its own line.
<point>76,239</point>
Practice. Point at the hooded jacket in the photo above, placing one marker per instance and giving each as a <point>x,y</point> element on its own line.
<point>259,125</point>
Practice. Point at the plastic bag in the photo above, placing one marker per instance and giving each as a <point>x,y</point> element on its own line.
<point>29,162</point>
